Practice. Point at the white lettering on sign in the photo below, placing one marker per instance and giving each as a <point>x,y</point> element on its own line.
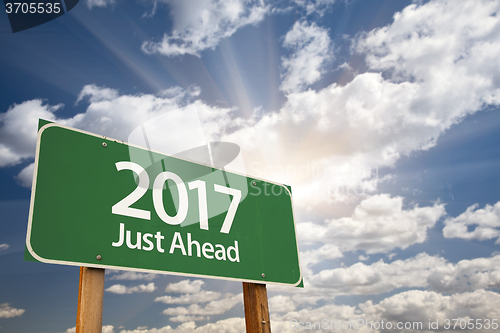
<point>146,238</point>
<point>207,249</point>
<point>123,206</point>
<point>182,208</point>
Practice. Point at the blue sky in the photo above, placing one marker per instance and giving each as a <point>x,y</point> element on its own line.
<point>381,115</point>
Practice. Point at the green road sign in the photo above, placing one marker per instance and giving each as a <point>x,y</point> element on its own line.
<point>100,202</point>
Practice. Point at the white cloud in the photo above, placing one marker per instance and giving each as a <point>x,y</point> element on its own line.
<point>4,246</point>
<point>192,295</point>
<point>486,221</point>
<point>424,83</point>
<point>310,258</point>
<point>183,318</point>
<point>18,130</point>
<point>186,327</point>
<point>315,6</point>
<point>451,48</point>
<point>420,306</point>
<point>216,307</point>
<point>376,278</point>
<point>311,47</point>
<point>230,325</point>
<point>435,64</point>
<point>105,329</point>
<point>25,177</point>
<point>97,94</point>
<point>198,297</point>
<point>285,323</point>
<point>185,287</point>
<point>108,114</point>
<point>413,307</point>
<point>281,303</point>
<point>421,271</point>
<point>132,276</point>
<point>202,26</point>
<point>466,275</point>
<point>99,3</point>
<point>6,311</point>
<point>121,289</point>
<point>378,224</point>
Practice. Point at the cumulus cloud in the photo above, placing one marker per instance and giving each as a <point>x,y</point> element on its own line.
<point>427,44</point>
<point>185,287</point>
<point>112,115</point>
<point>25,177</point>
<point>284,323</point>
<point>132,276</point>
<point>486,223</point>
<point>105,329</point>
<point>99,3</point>
<point>193,294</point>
<point>216,307</point>
<point>420,306</point>
<point>310,258</point>
<point>281,303</point>
<point>121,289</point>
<point>414,308</point>
<point>230,325</point>
<point>96,94</point>
<point>6,311</point>
<point>183,318</point>
<point>378,277</point>
<point>466,275</point>
<point>18,130</point>
<point>421,271</point>
<point>199,297</point>
<point>430,68</point>
<point>435,64</point>
<point>378,224</point>
<point>202,26</point>
<point>315,6</point>
<point>4,246</point>
<point>311,49</point>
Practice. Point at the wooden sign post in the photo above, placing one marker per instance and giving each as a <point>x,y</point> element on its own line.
<point>91,294</point>
<point>256,308</point>
<point>90,298</point>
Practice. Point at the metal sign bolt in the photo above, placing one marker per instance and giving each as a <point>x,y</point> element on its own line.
<point>263,322</point>
<point>98,257</point>
<point>104,144</point>
<point>255,183</point>
<point>263,275</point>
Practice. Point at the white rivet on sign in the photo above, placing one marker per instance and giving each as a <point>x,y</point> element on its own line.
<point>104,144</point>
<point>263,275</point>
<point>255,183</point>
<point>98,257</point>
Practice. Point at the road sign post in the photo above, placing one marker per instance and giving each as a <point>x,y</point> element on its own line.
<point>90,300</point>
<point>256,308</point>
